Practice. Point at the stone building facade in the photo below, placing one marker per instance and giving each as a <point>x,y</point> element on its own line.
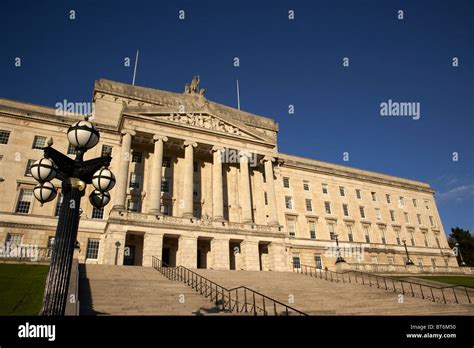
<point>200,184</point>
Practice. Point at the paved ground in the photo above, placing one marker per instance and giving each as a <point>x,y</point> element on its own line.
<point>120,290</point>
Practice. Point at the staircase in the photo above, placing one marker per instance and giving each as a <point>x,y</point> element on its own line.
<point>316,296</point>
<point>121,290</point>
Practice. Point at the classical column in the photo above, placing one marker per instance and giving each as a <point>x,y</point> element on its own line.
<point>217,187</point>
<point>271,196</point>
<point>122,177</point>
<point>245,198</point>
<point>188,179</point>
<point>155,189</point>
<point>220,253</point>
<point>187,252</point>
<point>250,255</point>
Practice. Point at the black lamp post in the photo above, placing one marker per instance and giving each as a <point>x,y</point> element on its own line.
<point>339,257</point>
<point>408,262</point>
<point>460,255</point>
<point>74,175</point>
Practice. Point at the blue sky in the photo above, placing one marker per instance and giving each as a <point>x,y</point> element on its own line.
<point>282,62</point>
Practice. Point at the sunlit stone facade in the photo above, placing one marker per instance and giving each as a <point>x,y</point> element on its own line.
<point>200,184</point>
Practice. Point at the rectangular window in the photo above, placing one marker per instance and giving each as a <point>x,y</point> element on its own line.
<point>397,233</point>
<point>195,167</point>
<point>312,230</point>
<point>292,227</point>
<point>309,205</point>
<point>71,150</point>
<point>14,239</point>
<point>358,194</point>
<point>378,214</point>
<point>325,188</point>
<point>24,201</point>
<point>134,181</point>
<point>392,215</point>
<point>106,150</point>
<point>136,157</point>
<point>332,233</point>
<point>327,207</point>
<point>432,222</point>
<point>165,185</point>
<point>418,217</point>
<point>437,242</point>
<point>407,218</point>
<point>425,239</point>
<point>427,205</point>
<point>59,203</point>
<point>318,260</point>
<point>265,198</point>
<point>133,205</point>
<point>4,136</point>
<point>39,142</point>
<point>345,209</point>
<point>197,211</point>
<point>401,202</point>
<point>305,185</point>
<point>49,250</point>
<point>97,213</point>
<point>382,236</point>
<point>296,260</point>
<point>389,200</point>
<point>28,167</point>
<point>92,251</point>
<point>166,162</point>
<point>362,212</point>
<point>374,196</point>
<point>286,182</point>
<point>412,237</point>
<point>350,235</point>
<point>288,202</point>
<point>367,234</point>
<point>414,202</point>
<point>342,191</point>
<point>373,260</point>
<point>165,209</point>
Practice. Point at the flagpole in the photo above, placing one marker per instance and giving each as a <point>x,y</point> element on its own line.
<point>238,95</point>
<point>135,69</point>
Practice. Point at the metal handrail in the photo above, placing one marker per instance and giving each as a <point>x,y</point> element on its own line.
<point>229,300</point>
<point>340,276</point>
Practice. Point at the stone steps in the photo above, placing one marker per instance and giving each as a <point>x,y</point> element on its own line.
<point>322,297</point>
<point>120,290</point>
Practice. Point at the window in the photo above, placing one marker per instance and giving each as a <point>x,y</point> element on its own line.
<point>425,239</point>
<point>296,260</point>
<point>165,185</point>
<point>133,205</point>
<point>401,202</point>
<point>390,260</point>
<point>305,185</point>
<point>309,205</point>
<point>265,197</point>
<point>195,167</point>
<point>165,209</point>
<point>71,150</point>
<point>166,162</point>
<point>136,157</point>
<point>92,251</point>
<point>345,209</point>
<point>59,203</point>
<point>362,212</point>
<point>418,217</point>
<point>327,207</point>
<point>367,234</point>
<point>134,181</point>
<point>318,260</point>
<point>332,233</point>
<point>28,167</point>
<point>106,150</point>
<point>378,214</point>
<point>325,188</point>
<point>407,218</point>
<point>412,237</point>
<point>432,222</point>
<point>197,211</point>
<point>24,201</point>
<point>427,205</point>
<point>374,196</point>
<point>292,227</point>
<point>286,182</point>
<point>414,202</point>
<point>312,229</point>
<point>39,142</point>
<point>14,239</point>
<point>397,233</point>
<point>4,136</point>
<point>97,213</point>
<point>358,194</point>
<point>437,242</point>
<point>342,191</point>
<point>288,202</point>
<point>382,236</point>
<point>389,200</point>
<point>49,250</point>
<point>350,235</point>
<point>392,215</point>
